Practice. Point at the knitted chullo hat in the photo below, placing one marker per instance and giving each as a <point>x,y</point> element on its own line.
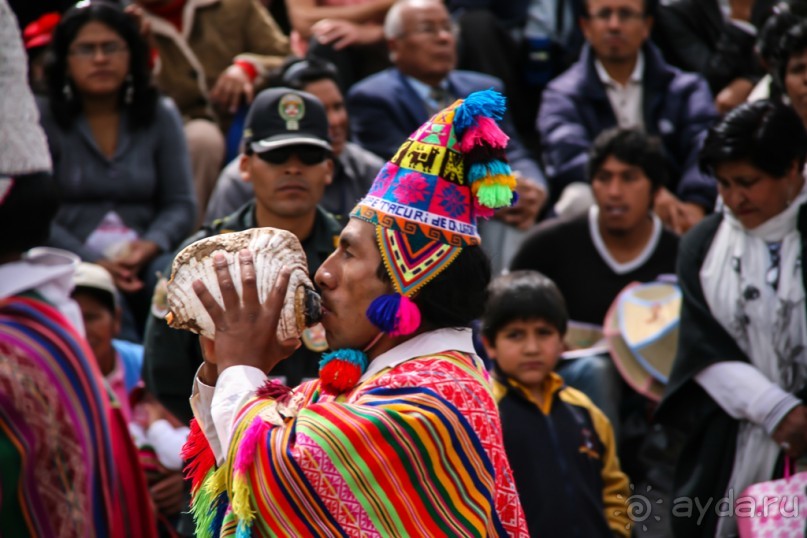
<point>426,200</point>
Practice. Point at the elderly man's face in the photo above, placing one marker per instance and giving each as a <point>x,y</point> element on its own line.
<point>427,48</point>
<point>349,282</point>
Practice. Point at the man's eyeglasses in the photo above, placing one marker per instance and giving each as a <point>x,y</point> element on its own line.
<point>431,29</point>
<point>308,155</point>
<point>622,14</point>
<point>87,51</point>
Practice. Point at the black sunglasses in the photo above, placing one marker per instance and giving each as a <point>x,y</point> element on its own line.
<point>307,154</point>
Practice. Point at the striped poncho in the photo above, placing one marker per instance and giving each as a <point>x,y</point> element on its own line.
<point>415,450</point>
<point>66,467</point>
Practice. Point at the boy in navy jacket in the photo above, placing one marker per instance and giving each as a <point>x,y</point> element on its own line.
<point>560,446</point>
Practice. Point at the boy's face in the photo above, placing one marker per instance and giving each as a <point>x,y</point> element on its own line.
<point>100,324</point>
<point>526,350</point>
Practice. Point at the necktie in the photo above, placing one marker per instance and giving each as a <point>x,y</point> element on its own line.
<point>439,98</point>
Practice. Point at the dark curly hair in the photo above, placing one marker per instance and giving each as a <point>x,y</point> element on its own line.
<point>144,96</point>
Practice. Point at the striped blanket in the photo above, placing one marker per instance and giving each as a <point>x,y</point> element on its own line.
<point>63,451</point>
<point>414,451</point>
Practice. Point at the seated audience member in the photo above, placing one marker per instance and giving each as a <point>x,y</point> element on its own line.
<point>289,163</point>
<point>354,167</point>
<point>715,38</point>
<point>560,445</point>
<point>387,107</point>
<point>769,46</point>
<point>792,68</point>
<point>213,56</point>
<point>120,361</point>
<point>593,257</point>
<point>65,455</point>
<point>525,44</point>
<point>119,156</point>
<point>622,80</point>
<point>37,36</point>
<point>159,441</point>
<point>348,33</point>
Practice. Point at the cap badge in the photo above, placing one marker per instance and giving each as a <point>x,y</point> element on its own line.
<point>292,109</point>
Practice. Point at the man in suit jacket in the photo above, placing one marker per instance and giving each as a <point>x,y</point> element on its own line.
<point>621,79</point>
<point>715,39</point>
<point>388,106</point>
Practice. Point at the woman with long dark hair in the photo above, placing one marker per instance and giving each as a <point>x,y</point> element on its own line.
<point>119,152</point>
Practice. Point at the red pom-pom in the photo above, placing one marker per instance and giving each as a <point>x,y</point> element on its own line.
<point>339,376</point>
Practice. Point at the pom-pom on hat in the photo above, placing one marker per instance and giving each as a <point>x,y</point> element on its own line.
<point>426,200</point>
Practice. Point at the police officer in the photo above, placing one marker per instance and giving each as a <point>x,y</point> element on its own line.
<point>287,156</point>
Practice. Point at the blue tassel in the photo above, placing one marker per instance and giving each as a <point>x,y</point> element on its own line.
<point>514,201</point>
<point>220,506</point>
<point>383,311</point>
<point>493,168</point>
<point>488,103</point>
<point>243,530</point>
<point>353,356</point>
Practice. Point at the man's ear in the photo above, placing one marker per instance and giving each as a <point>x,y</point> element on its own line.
<point>243,167</point>
<point>490,349</point>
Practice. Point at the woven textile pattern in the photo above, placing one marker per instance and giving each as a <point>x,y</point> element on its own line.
<point>414,451</point>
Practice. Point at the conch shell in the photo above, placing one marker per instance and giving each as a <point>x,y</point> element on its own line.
<point>272,249</point>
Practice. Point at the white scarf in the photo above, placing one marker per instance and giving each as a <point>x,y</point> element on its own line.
<point>769,325</point>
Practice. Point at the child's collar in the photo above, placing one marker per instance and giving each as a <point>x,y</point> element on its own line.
<point>551,386</point>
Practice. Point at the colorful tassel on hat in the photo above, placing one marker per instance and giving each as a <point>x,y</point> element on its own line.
<point>483,143</point>
<point>485,103</point>
<point>340,370</point>
<point>395,314</point>
<point>486,131</point>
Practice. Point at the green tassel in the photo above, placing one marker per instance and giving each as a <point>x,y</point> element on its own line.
<point>202,508</point>
<point>494,196</point>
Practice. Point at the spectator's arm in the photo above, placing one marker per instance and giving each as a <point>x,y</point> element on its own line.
<point>175,199</point>
<point>733,56</point>
<point>745,393</point>
<point>61,237</point>
<point>266,45</point>
<point>564,138</point>
<point>167,442</point>
<point>615,488</point>
<point>303,14</point>
<point>699,114</point>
